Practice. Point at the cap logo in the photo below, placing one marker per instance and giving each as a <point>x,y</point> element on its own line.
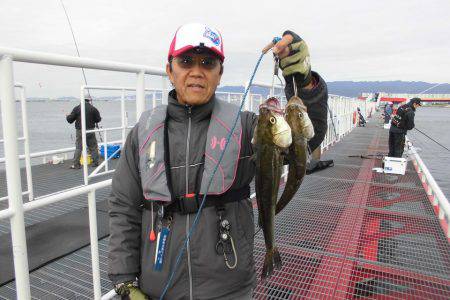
<point>211,35</point>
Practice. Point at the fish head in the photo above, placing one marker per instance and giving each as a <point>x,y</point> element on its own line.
<point>297,117</point>
<point>272,127</point>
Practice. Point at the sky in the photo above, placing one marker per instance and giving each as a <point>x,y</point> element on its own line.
<point>357,40</point>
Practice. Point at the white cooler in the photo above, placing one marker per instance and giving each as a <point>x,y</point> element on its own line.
<point>394,165</point>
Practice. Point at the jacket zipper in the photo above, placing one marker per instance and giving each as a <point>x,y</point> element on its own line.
<point>188,249</point>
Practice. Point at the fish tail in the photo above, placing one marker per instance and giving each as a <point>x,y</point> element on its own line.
<point>271,261</point>
<point>268,265</point>
<point>276,258</point>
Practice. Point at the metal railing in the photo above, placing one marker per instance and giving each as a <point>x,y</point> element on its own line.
<point>437,198</point>
<point>16,208</point>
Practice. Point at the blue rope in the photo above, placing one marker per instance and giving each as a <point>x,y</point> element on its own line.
<point>194,224</point>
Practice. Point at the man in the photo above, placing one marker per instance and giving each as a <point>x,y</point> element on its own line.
<point>400,124</point>
<point>388,110</point>
<point>167,163</point>
<point>92,117</point>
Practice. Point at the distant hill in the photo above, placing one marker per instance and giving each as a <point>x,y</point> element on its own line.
<point>355,88</point>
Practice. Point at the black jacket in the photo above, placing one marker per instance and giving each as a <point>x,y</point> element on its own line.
<point>92,116</point>
<point>316,101</point>
<point>407,114</point>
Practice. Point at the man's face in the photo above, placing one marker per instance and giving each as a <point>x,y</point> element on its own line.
<point>416,105</point>
<point>195,76</point>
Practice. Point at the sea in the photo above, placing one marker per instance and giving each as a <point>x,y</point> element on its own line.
<point>49,130</point>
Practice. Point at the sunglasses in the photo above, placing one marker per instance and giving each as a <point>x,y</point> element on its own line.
<point>188,62</point>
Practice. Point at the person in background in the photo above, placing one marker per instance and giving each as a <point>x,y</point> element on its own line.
<point>92,118</point>
<point>166,165</point>
<point>388,111</point>
<point>361,121</point>
<point>400,124</point>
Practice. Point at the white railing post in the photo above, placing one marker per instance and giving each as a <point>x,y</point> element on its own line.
<point>26,143</point>
<point>140,95</point>
<point>123,109</point>
<point>94,245</point>
<point>83,136</point>
<point>9,119</point>
<point>105,148</point>
<point>165,90</point>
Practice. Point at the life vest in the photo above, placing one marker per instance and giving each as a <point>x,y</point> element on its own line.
<point>152,163</point>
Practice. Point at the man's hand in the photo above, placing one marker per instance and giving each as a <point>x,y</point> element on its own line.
<point>294,58</point>
<point>136,294</point>
<point>129,291</point>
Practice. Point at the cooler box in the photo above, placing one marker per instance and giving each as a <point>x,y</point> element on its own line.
<point>394,165</point>
<point>110,149</point>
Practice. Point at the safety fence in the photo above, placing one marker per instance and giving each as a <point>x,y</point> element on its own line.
<point>435,195</point>
<point>342,114</point>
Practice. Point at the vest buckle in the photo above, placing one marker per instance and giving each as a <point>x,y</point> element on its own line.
<point>189,203</point>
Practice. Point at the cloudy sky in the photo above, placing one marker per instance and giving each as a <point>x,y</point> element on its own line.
<point>356,40</point>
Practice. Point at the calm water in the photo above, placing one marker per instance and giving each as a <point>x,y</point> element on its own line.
<point>49,130</point>
<point>435,122</point>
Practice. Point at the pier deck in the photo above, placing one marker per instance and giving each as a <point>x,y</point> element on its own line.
<point>349,233</point>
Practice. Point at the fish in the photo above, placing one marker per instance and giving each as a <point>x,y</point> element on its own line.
<point>272,136</point>
<point>296,116</point>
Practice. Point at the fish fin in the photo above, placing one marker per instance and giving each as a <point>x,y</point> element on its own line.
<point>271,260</point>
<point>267,269</point>
<point>277,258</point>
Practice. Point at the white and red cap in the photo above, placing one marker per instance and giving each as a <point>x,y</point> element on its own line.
<point>193,35</point>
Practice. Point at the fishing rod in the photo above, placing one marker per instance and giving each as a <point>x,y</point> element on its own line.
<point>78,53</point>
<point>431,138</point>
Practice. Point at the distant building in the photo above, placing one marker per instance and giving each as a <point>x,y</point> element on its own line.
<point>427,99</point>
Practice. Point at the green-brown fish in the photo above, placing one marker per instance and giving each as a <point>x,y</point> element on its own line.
<point>272,136</point>
<point>302,131</point>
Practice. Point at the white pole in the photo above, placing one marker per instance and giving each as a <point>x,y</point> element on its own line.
<point>9,119</point>
<point>83,136</point>
<point>165,90</point>
<point>26,135</point>
<point>153,99</point>
<point>94,245</point>
<point>105,148</point>
<point>122,107</point>
<point>140,95</point>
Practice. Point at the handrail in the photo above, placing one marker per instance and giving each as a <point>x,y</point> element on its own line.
<point>434,192</point>
<point>77,62</point>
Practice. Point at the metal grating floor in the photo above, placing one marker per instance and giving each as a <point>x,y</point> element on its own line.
<point>350,233</point>
<point>48,179</point>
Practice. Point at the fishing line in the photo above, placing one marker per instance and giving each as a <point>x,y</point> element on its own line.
<point>78,53</point>
<point>194,224</point>
<point>431,138</point>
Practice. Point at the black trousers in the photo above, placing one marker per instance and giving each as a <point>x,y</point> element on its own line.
<point>396,144</point>
<point>91,142</point>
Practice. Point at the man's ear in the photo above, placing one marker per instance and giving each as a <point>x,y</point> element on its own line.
<point>169,71</point>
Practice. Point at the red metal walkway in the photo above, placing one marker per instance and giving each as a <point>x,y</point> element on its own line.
<point>353,233</point>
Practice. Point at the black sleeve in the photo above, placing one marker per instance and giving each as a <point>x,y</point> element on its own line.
<point>97,117</point>
<point>73,115</point>
<point>409,122</point>
<point>125,213</point>
<point>316,101</point>
<point>249,121</point>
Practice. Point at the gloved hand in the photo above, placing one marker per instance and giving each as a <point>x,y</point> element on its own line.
<point>136,294</point>
<point>130,291</point>
<point>294,58</point>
